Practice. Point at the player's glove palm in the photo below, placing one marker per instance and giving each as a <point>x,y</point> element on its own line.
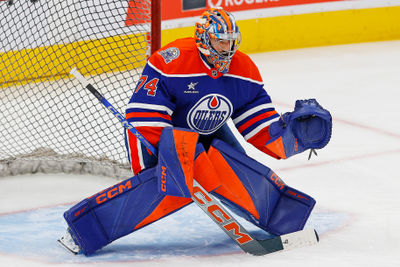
<point>308,126</point>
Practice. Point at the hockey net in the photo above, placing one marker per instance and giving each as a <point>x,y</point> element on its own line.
<point>48,122</point>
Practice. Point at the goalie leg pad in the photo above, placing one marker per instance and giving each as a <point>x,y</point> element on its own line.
<point>119,210</point>
<point>130,205</point>
<point>256,193</point>
<point>176,153</point>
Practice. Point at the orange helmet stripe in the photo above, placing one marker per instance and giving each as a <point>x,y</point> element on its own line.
<point>227,19</point>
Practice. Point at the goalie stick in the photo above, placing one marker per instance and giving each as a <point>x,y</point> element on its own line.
<point>212,207</point>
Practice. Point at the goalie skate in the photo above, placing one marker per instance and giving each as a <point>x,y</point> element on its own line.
<point>68,242</point>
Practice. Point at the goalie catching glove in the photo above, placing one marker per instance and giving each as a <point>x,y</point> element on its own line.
<point>309,126</point>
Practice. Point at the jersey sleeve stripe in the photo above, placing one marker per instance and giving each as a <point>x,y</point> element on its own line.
<point>149,119</point>
<point>256,124</point>
<point>135,153</point>
<point>256,119</point>
<point>259,128</point>
<point>151,107</point>
<point>150,123</point>
<point>131,115</point>
<point>252,111</point>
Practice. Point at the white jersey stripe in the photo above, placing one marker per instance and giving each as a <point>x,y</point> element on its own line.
<point>150,106</point>
<point>176,75</point>
<point>259,128</point>
<point>128,148</point>
<point>140,154</point>
<point>244,78</point>
<point>150,123</point>
<point>252,111</point>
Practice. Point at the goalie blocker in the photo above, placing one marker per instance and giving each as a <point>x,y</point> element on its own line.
<point>247,187</point>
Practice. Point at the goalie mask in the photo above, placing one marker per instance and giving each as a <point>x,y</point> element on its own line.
<point>217,37</point>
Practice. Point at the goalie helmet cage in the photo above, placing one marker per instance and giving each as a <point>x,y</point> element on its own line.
<point>48,122</point>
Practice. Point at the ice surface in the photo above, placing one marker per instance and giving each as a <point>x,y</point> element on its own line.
<point>355,179</point>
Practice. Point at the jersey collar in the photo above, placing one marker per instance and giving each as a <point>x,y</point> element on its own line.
<point>210,70</point>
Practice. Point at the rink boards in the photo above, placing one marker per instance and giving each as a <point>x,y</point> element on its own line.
<point>268,29</point>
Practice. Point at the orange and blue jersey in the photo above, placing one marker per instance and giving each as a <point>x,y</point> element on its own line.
<point>179,88</point>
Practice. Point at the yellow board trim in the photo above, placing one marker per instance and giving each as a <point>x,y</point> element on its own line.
<point>309,30</point>
<point>89,57</point>
<point>258,35</point>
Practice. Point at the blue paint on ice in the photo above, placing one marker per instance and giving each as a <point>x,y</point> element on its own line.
<point>189,232</point>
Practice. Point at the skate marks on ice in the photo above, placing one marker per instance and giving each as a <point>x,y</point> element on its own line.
<point>33,234</point>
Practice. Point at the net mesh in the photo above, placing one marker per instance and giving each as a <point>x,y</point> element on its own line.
<point>45,114</point>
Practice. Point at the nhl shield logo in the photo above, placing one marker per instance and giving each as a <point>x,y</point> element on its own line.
<point>209,113</point>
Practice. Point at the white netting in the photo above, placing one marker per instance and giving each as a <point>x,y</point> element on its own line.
<point>48,122</point>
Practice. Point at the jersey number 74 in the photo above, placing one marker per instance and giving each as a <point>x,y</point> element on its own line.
<point>150,86</point>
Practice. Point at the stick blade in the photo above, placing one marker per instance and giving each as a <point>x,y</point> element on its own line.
<point>79,76</point>
<point>307,237</point>
<point>303,238</point>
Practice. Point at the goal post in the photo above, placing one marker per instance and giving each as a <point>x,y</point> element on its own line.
<point>48,123</point>
<point>155,25</point>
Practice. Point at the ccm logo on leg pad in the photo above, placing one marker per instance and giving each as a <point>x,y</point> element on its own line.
<point>163,179</point>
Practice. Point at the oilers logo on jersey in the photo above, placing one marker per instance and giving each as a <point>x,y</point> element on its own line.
<point>209,113</point>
